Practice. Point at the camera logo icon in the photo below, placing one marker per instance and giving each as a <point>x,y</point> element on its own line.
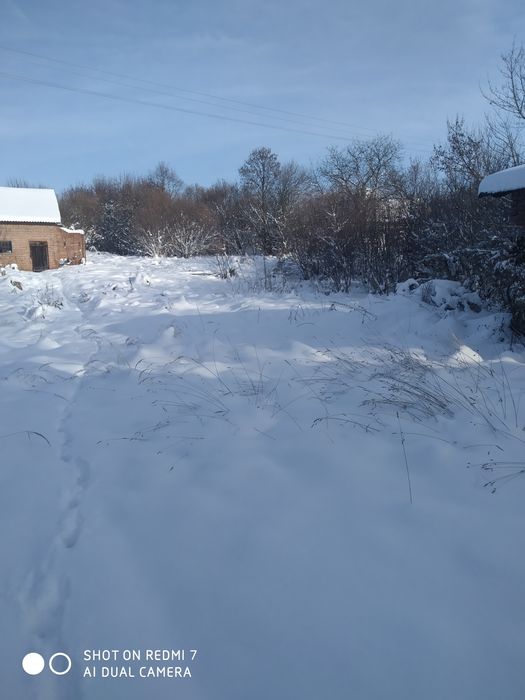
<point>59,663</point>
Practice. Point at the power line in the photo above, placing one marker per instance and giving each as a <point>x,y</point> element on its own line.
<point>190,92</point>
<point>190,99</point>
<point>210,96</point>
<point>146,103</point>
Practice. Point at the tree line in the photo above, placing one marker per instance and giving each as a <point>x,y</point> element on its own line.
<point>362,213</point>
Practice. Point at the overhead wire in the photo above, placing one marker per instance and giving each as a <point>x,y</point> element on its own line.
<point>426,148</point>
<point>185,90</point>
<point>147,103</point>
<point>190,99</point>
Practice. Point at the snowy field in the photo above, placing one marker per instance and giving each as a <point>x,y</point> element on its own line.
<point>321,494</point>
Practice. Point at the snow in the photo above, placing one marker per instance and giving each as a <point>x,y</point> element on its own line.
<point>191,462</point>
<point>503,181</point>
<point>72,230</point>
<point>29,205</point>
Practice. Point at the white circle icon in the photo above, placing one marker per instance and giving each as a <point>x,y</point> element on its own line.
<point>33,663</point>
<point>60,654</point>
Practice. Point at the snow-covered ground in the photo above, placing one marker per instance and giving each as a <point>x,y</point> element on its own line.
<point>293,484</point>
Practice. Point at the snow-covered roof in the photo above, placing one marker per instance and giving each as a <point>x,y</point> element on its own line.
<point>36,206</point>
<point>503,181</point>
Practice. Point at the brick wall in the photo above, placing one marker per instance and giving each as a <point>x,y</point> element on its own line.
<point>60,244</point>
<point>75,247</point>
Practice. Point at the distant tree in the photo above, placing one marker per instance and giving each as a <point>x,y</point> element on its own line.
<point>364,168</point>
<point>361,234</point>
<point>154,207</point>
<point>20,182</point>
<point>166,178</point>
<point>509,94</point>
<point>260,181</point>
<point>469,154</point>
<point>507,97</point>
<point>462,161</point>
<point>228,202</point>
<point>80,208</point>
<point>115,228</point>
<point>293,185</point>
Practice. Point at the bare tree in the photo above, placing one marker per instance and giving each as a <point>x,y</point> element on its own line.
<point>166,178</point>
<point>469,154</point>
<point>364,167</point>
<point>509,94</point>
<point>293,186</point>
<point>20,182</point>
<point>260,179</point>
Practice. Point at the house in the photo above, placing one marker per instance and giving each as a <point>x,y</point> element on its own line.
<point>31,234</point>
<point>507,182</point>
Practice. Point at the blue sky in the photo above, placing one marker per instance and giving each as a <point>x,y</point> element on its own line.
<point>378,66</point>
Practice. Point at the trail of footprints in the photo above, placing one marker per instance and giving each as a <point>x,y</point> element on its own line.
<point>44,596</point>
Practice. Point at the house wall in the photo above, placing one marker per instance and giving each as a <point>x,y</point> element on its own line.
<point>75,244</point>
<point>517,213</point>
<point>60,244</point>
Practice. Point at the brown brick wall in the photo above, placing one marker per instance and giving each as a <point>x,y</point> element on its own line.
<point>75,247</point>
<point>60,244</point>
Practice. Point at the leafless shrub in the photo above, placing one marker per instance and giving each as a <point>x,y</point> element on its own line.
<point>428,290</point>
<point>226,266</point>
<point>156,243</point>
<point>191,237</point>
<point>48,296</point>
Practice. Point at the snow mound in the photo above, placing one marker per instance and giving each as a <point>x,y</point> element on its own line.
<point>448,296</point>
